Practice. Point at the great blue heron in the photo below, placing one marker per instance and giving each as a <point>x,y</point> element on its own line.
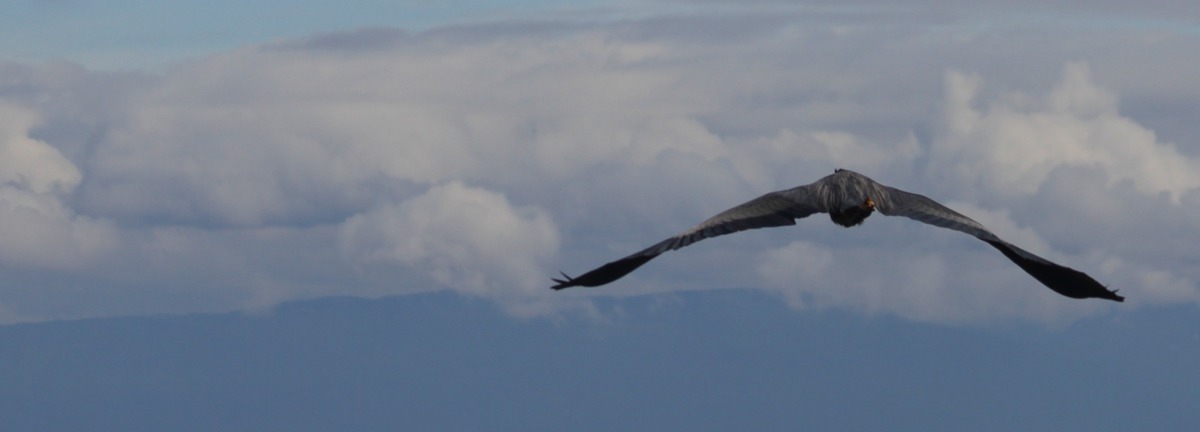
<point>849,198</point>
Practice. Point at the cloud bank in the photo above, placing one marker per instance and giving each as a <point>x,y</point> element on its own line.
<point>483,158</point>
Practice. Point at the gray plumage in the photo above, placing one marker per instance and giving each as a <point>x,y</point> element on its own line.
<point>849,198</point>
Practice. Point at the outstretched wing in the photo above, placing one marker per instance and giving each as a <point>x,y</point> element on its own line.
<point>1063,280</point>
<point>771,210</point>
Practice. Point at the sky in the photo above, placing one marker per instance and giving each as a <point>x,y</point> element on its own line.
<point>209,157</point>
<point>236,216</point>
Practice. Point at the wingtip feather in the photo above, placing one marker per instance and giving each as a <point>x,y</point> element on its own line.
<point>564,283</point>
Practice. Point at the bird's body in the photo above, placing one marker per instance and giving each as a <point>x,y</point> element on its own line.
<point>849,198</point>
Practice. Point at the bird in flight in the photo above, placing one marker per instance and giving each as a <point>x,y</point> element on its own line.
<point>849,198</point>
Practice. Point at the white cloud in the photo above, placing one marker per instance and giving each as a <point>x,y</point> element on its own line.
<point>38,229</point>
<point>467,239</point>
<point>1010,147</point>
<point>914,286</point>
<point>30,164</point>
<point>267,135</point>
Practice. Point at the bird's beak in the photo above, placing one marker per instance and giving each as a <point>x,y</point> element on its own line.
<point>868,204</point>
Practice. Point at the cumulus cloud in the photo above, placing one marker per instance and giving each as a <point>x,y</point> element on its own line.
<point>39,229</point>
<point>27,163</point>
<point>1011,146</point>
<point>467,239</point>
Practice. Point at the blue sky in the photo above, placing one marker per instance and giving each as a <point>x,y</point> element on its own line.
<point>136,34</point>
